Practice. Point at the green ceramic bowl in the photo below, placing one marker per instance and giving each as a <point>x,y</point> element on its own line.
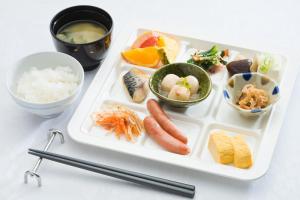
<point>181,70</point>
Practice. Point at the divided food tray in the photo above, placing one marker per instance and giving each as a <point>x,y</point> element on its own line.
<point>197,122</point>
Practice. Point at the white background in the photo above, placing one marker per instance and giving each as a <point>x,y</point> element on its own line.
<point>24,29</point>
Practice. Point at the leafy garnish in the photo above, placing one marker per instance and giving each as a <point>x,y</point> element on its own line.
<point>266,64</point>
<point>72,40</point>
<point>184,82</point>
<point>212,52</point>
<point>207,59</point>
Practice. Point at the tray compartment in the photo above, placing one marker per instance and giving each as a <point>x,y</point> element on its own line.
<point>118,89</point>
<point>183,45</point>
<point>226,114</point>
<point>191,128</point>
<point>216,78</point>
<point>251,137</point>
<point>88,127</point>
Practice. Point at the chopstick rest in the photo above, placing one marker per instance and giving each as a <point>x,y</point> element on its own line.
<point>33,172</point>
<point>138,178</point>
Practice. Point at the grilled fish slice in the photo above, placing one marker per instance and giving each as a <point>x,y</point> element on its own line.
<point>136,83</point>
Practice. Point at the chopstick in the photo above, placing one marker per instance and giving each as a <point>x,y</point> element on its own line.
<point>189,187</point>
<point>139,178</point>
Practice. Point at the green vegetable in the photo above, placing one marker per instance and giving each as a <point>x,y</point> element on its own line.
<point>212,52</point>
<point>207,59</point>
<point>266,64</point>
<point>72,40</point>
<point>183,82</point>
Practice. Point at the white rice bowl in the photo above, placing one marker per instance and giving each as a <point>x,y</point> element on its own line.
<point>45,83</point>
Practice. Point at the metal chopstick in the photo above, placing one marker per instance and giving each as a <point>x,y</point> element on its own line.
<point>158,183</point>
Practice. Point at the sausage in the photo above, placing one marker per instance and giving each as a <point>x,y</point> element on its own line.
<point>164,121</point>
<point>163,138</point>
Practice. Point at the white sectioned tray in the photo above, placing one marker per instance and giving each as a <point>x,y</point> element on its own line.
<point>197,122</point>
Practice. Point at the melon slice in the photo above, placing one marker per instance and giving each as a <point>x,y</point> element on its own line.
<point>168,48</point>
<point>171,47</point>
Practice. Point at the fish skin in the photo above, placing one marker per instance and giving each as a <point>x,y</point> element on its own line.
<point>136,84</point>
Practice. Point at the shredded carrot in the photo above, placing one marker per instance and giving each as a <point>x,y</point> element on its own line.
<point>120,120</point>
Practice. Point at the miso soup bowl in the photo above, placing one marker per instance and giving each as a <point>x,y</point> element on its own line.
<point>234,86</point>
<point>40,61</point>
<point>90,54</point>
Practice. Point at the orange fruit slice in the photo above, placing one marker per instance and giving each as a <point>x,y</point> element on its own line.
<point>147,57</point>
<point>153,38</point>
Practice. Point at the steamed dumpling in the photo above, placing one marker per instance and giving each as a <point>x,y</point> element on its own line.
<point>169,81</point>
<point>193,83</point>
<point>179,93</point>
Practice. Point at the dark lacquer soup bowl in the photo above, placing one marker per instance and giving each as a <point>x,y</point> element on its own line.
<point>88,54</point>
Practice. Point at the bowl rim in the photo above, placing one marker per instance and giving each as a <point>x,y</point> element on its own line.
<point>179,101</point>
<point>84,7</point>
<point>262,110</point>
<point>29,104</point>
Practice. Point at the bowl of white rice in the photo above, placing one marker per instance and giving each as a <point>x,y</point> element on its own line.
<point>45,83</point>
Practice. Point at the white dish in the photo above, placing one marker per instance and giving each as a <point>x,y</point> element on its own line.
<point>235,84</point>
<point>40,61</point>
<point>196,122</point>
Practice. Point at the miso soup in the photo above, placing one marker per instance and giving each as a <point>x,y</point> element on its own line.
<point>81,32</point>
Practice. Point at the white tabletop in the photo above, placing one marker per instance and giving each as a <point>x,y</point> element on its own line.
<point>268,25</point>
